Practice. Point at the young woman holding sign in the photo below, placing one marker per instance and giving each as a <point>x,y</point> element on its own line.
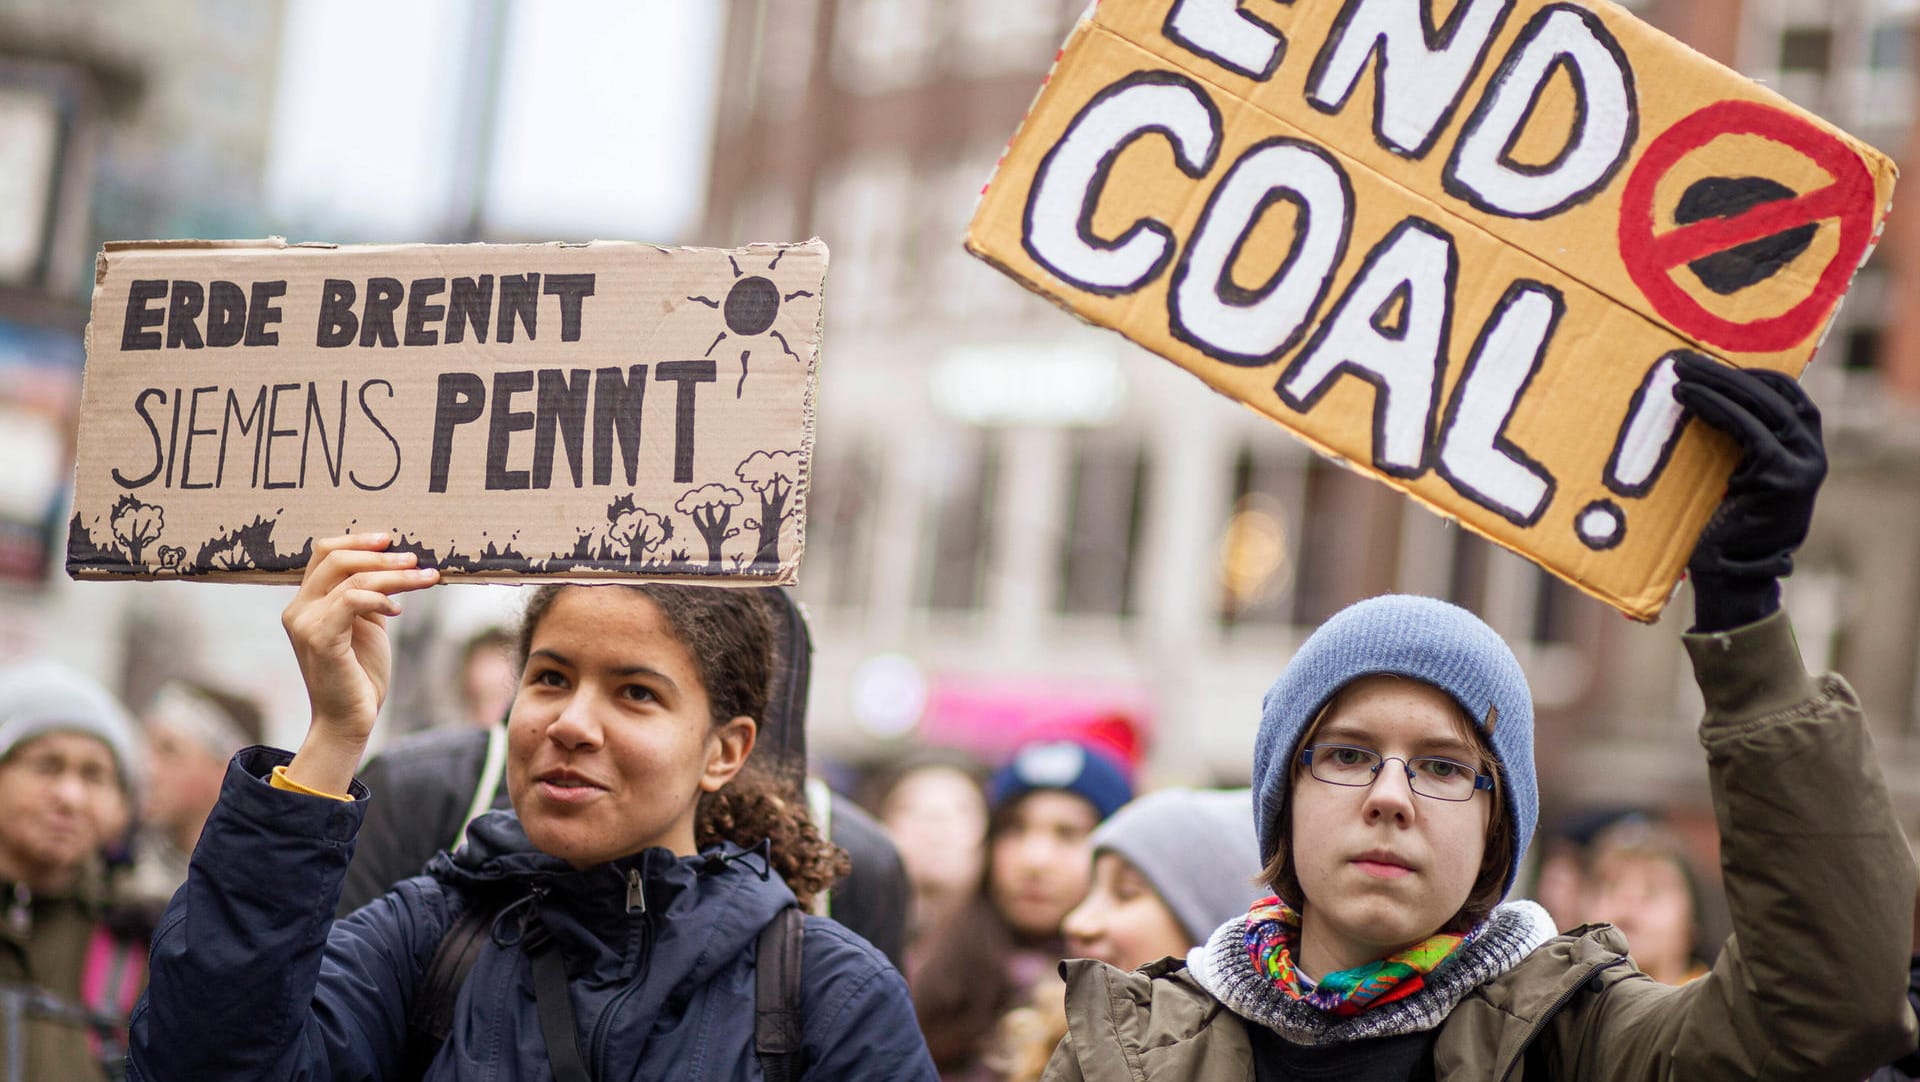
<point>625,899</point>
<point>1394,797</point>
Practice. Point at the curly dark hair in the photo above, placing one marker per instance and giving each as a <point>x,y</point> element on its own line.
<point>729,634</point>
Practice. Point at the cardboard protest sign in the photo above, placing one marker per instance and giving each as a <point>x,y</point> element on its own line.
<point>508,412</point>
<point>1459,253</point>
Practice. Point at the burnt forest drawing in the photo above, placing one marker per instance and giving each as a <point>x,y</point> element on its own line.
<point>688,537</point>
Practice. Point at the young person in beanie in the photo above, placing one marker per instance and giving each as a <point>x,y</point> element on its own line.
<point>1394,794</point>
<point>1167,869</point>
<point>72,959</point>
<point>1043,806</point>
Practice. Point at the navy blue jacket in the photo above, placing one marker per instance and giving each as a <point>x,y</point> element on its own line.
<point>253,978</point>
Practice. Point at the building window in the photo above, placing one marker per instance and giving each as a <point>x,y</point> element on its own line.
<point>1883,89</point>
<point>784,55</point>
<point>961,480</point>
<point>963,286</point>
<point>1101,543</point>
<point>1851,63</point>
<point>1467,572</point>
<point>883,45</point>
<point>1861,354</point>
<point>1557,609</point>
<point>1257,549</point>
<point>1890,47</point>
<point>1349,530</point>
<point>1806,50</point>
<point>841,510</point>
<point>865,215</point>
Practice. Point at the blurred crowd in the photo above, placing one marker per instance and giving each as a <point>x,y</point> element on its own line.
<point>974,877</point>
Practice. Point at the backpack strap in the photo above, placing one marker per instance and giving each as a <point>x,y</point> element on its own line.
<point>431,1020</point>
<point>487,785</point>
<point>550,996</point>
<point>777,1033</point>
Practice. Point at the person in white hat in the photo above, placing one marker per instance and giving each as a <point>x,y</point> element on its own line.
<point>72,963</point>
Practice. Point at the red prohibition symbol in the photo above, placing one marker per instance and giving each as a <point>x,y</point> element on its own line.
<point>1651,257</point>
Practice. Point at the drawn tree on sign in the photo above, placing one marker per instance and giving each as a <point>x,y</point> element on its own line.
<point>136,525</point>
<point>636,529</point>
<point>771,475</point>
<point>711,509</point>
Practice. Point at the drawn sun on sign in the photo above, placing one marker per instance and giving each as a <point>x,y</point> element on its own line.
<point>750,309</point>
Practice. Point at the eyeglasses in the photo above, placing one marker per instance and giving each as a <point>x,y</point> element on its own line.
<point>1429,775</point>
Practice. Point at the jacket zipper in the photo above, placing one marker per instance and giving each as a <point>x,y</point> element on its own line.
<point>636,895</point>
<point>602,1029</point>
<point>1566,997</point>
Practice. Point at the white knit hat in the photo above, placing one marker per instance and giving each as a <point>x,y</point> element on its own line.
<point>40,696</point>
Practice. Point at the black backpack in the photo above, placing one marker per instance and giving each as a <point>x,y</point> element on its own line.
<point>777,1035</point>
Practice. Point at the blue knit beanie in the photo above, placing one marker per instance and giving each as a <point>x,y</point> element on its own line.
<point>1418,637</point>
<point>1067,767</point>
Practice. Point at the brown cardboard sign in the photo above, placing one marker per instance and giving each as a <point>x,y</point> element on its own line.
<point>1458,253</point>
<point>508,412</point>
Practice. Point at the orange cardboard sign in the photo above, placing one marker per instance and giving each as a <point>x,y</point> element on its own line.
<point>1459,254</point>
<point>508,412</point>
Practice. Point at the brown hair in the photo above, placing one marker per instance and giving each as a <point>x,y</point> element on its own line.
<point>1495,862</point>
<point>729,634</point>
<point>963,985</point>
<point>1635,838</point>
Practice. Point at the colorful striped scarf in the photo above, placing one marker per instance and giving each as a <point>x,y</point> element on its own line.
<point>1272,930</point>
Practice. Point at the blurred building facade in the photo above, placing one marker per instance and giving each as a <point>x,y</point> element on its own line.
<point>1013,515</point>
<point>1006,498</point>
<point>116,121</point>
<point>129,119</point>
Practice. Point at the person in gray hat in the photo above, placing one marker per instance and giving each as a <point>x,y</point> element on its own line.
<point>1167,870</point>
<point>1394,796</point>
<point>72,961</point>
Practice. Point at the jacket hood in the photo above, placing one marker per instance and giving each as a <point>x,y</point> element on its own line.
<point>653,910</point>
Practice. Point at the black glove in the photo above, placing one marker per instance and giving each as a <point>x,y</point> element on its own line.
<point>1747,547</point>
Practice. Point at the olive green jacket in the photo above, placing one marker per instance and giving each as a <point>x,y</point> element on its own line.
<point>1811,985</point>
<point>44,947</point>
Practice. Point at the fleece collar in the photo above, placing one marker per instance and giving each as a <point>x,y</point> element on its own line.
<point>1222,966</point>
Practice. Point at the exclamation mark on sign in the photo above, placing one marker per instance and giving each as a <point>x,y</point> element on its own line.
<point>1652,429</point>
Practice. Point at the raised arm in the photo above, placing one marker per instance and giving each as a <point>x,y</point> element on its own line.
<point>338,626</point>
<point>250,976</point>
<point>1818,876</point>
